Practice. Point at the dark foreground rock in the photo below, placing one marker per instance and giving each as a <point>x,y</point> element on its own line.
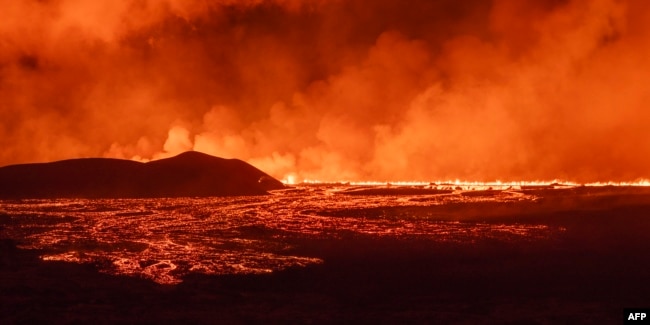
<point>587,276</point>
<point>188,174</point>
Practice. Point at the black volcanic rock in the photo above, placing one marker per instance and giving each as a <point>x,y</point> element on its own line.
<point>188,174</point>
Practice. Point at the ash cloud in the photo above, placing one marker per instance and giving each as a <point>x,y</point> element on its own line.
<point>334,89</point>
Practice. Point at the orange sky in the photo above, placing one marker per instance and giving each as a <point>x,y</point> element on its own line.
<point>334,89</point>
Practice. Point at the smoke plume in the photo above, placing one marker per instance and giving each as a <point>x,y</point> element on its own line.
<point>334,89</point>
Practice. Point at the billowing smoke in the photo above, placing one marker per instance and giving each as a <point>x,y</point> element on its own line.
<point>334,89</point>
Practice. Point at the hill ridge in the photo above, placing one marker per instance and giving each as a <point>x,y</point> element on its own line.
<point>187,174</point>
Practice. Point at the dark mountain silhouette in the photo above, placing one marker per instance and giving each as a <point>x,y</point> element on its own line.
<point>188,174</point>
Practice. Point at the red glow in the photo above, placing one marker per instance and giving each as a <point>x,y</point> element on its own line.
<point>330,90</point>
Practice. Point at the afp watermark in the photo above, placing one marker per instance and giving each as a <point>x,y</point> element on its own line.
<point>636,315</point>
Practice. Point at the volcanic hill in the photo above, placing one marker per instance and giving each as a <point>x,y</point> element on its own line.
<point>186,175</point>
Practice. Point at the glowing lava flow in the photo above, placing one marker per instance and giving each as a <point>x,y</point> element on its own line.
<point>474,184</point>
